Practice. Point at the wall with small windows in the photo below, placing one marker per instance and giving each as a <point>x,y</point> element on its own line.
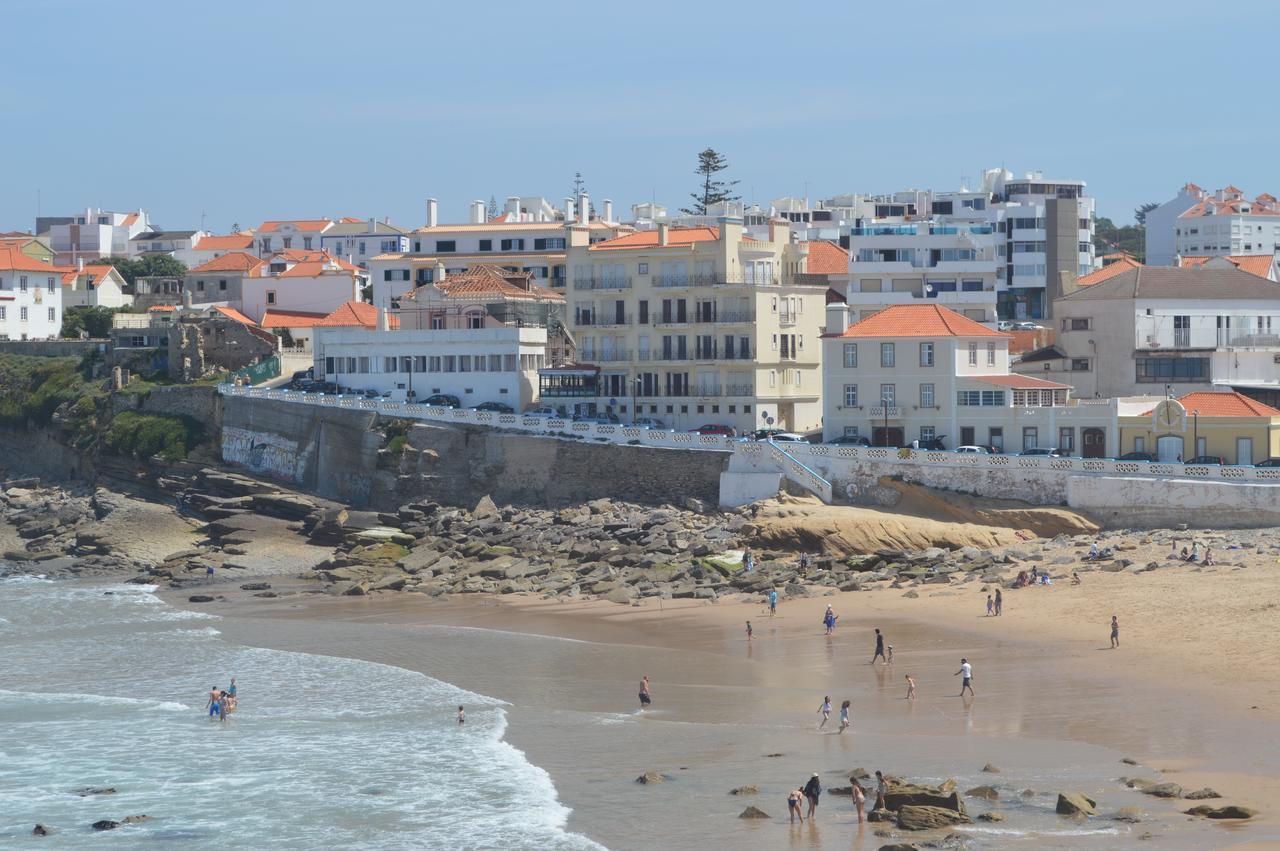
<point>30,308</point>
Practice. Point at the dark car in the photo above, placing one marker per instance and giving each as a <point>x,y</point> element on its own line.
<point>318,387</point>
<point>715,428</point>
<point>495,407</point>
<point>1137,456</point>
<point>1207,460</point>
<point>851,440</point>
<point>1270,462</point>
<point>442,400</point>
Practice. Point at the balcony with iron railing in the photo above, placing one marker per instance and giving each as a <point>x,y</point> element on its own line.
<point>612,320</point>
<point>605,356</point>
<point>623,283</point>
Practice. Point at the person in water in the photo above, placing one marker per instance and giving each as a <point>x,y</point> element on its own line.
<point>645,697</point>
<point>825,711</point>
<point>794,800</point>
<point>214,705</point>
<point>462,715</point>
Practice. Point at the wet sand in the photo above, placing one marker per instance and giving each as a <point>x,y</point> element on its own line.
<point>1053,711</point>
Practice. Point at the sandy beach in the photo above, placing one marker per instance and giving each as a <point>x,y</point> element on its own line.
<point>1192,695</point>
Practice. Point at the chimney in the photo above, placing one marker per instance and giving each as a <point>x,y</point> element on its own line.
<point>663,233</point>
<point>568,210</point>
<point>477,212</point>
<point>584,209</point>
<point>439,272</point>
<point>837,317</point>
<point>608,210</point>
<point>383,323</point>
<point>432,212</point>
<point>79,264</point>
<point>513,208</point>
<point>373,225</point>
<point>774,224</point>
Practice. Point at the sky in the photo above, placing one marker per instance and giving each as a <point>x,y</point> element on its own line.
<point>236,112</point>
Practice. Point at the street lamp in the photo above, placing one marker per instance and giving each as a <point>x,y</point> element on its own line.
<point>635,393</point>
<point>884,406</point>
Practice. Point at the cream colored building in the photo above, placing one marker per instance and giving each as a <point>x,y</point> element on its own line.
<point>700,325</point>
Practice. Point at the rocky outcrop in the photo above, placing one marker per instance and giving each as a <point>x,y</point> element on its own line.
<point>911,817</point>
<point>1075,804</point>
<point>650,777</point>
<point>1201,794</point>
<point>989,793</point>
<point>1227,812</point>
<point>908,794</point>
<point>744,790</point>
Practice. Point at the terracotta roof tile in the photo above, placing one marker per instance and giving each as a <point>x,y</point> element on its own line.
<point>300,224</point>
<point>649,238</point>
<point>290,319</point>
<point>492,282</point>
<point>919,320</point>
<point>1254,264</point>
<point>233,261</point>
<point>1174,282</point>
<point>826,258</point>
<point>1106,273</point>
<point>13,258</point>
<point>1208,403</point>
<point>355,314</point>
<point>232,313</point>
<point>233,242</point>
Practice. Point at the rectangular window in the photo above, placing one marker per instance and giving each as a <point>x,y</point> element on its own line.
<point>888,395</point>
<point>1162,369</point>
<point>22,283</point>
<point>991,354</point>
<point>926,354</point>
<point>389,364</point>
<point>1067,439</point>
<point>973,354</point>
<point>851,355</point>
<point>1079,364</point>
<point>271,296</point>
<point>513,245</point>
<point>886,354</point>
<point>446,246</point>
<point>926,436</point>
<point>51,314</point>
<point>1030,436</point>
<point>306,242</point>
<point>486,245</point>
<point>926,395</point>
<point>433,363</point>
<point>549,244</point>
<point>851,395</point>
<point>642,269</point>
<point>48,284</point>
<point>22,314</point>
<point>450,363</point>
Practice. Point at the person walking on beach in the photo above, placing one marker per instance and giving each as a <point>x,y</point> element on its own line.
<point>773,601</point>
<point>966,671</point>
<point>749,632</point>
<point>888,659</point>
<point>844,716</point>
<point>829,619</point>
<point>793,805</point>
<point>911,688</point>
<point>1115,632</point>
<point>462,715</point>
<point>645,698</point>
<point>879,648</point>
<point>882,787</point>
<point>999,603</point>
<point>825,711</point>
<point>812,791</point>
<point>859,797</point>
<point>991,605</point>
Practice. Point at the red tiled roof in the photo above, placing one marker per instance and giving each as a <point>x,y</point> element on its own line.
<point>918,320</point>
<point>1097,276</point>
<point>355,314</point>
<point>491,282</point>
<point>95,273</point>
<point>232,313</point>
<point>233,242</point>
<point>290,319</point>
<point>129,219</point>
<point>1019,382</point>
<point>1211,206</point>
<point>1254,264</point>
<point>1208,403</point>
<point>161,308</point>
<point>1026,341</point>
<point>13,258</point>
<point>233,261</point>
<point>300,224</point>
<point>826,258</point>
<point>649,238</point>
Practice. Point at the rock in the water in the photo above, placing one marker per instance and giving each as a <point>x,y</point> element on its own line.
<point>990,769</point>
<point>1227,812</point>
<point>879,815</point>
<point>987,792</point>
<point>909,794</point>
<point>43,830</point>
<point>1075,803</point>
<point>1164,790</point>
<point>105,824</point>
<point>255,586</point>
<point>96,790</point>
<point>752,812</point>
<point>1201,794</point>
<point>744,790</point>
<point>901,846</point>
<point>1128,760</point>
<point>1132,815</point>
<point>199,598</point>
<point>651,777</point>
<point>135,819</point>
<point>990,816</point>
<point>911,817</point>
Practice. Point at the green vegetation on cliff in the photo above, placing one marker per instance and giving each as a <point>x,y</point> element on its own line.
<point>32,388</point>
<point>143,435</point>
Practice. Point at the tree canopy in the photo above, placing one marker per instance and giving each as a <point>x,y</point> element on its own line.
<point>96,321</point>
<point>146,266</point>
<point>1131,239</point>
<point>1140,214</point>
<point>710,163</point>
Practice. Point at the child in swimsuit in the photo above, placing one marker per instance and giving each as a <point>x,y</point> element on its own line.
<point>793,805</point>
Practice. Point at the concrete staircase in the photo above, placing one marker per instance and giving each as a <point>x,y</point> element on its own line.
<point>756,471</point>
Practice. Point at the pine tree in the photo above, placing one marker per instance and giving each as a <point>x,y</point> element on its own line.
<point>492,212</point>
<point>711,163</point>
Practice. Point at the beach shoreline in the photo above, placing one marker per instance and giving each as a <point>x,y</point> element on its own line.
<point>1134,702</point>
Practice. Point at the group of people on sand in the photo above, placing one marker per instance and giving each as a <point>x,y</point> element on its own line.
<point>222,701</point>
<point>811,792</point>
<point>995,604</point>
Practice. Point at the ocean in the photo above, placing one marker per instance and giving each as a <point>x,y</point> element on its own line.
<point>105,686</point>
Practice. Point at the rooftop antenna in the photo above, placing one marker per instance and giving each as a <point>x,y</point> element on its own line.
<point>202,217</point>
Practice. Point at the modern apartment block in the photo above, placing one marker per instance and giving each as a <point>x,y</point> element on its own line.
<point>1002,251</point>
<point>1226,222</point>
<point>701,325</point>
<point>93,234</point>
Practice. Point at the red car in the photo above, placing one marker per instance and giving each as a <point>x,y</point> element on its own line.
<point>714,428</point>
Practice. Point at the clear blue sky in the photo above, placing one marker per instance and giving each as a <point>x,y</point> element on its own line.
<point>255,110</point>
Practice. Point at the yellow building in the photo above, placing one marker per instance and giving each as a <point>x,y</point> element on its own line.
<point>36,247</point>
<point>699,325</point>
<point>1228,425</point>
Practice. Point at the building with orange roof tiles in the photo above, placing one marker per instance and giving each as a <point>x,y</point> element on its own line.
<point>1263,265</point>
<point>1228,222</point>
<point>92,234</point>
<point>924,376</point>
<point>31,304</point>
<point>94,285</point>
<point>1213,427</point>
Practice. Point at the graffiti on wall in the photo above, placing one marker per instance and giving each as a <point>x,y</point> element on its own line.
<point>262,452</point>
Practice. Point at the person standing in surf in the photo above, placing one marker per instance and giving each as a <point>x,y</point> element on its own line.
<point>825,711</point>
<point>645,697</point>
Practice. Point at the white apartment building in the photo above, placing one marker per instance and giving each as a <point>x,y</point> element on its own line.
<point>922,372</point>
<point>519,241</point>
<point>1159,246</point>
<point>699,325</point>
<point>298,280</point>
<point>30,297</point>
<point>356,241</point>
<point>178,244</point>
<point>476,365</point>
<point>93,234</point>
<point>213,246</point>
<point>300,234</point>
<point>1226,222</point>
<point>1153,327</point>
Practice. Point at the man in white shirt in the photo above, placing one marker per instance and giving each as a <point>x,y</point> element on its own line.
<point>966,672</point>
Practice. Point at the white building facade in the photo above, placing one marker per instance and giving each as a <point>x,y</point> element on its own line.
<point>475,365</point>
<point>93,234</point>
<point>1159,246</point>
<point>30,298</point>
<point>1226,222</point>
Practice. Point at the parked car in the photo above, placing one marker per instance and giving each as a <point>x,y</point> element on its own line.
<point>850,440</point>
<point>1270,462</point>
<point>1049,451</point>
<point>442,400</point>
<point>776,434</point>
<point>1004,325</point>
<point>547,412</point>
<point>1137,456</point>
<point>787,437</point>
<point>716,428</point>
<point>318,387</point>
<point>301,377</point>
<point>648,422</point>
<point>973,449</point>
<point>1208,460</point>
<point>1026,326</point>
<point>599,419</point>
<point>495,407</point>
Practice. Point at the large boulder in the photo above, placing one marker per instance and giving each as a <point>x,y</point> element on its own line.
<point>1164,790</point>
<point>1227,812</point>
<point>913,795</point>
<point>752,812</point>
<point>105,824</point>
<point>989,793</point>
<point>911,817</point>
<point>651,777</point>
<point>1201,794</point>
<point>1131,815</point>
<point>1075,804</point>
